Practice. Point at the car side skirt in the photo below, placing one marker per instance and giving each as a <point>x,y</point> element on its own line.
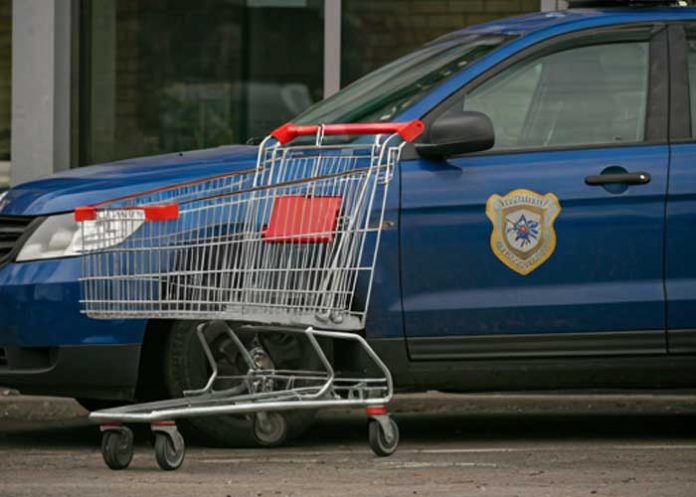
<point>615,372</point>
<point>682,341</point>
<point>538,345</point>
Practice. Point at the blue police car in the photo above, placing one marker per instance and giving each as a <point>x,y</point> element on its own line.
<point>539,235</point>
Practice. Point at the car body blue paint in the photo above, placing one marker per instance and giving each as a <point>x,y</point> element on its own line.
<point>453,284</point>
<point>680,265</point>
<point>39,307</point>
<point>65,191</point>
<point>39,300</point>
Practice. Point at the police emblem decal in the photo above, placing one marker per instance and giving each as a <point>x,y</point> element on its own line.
<point>523,237</point>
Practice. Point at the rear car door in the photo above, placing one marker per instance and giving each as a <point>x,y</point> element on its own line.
<point>680,264</point>
<point>551,243</point>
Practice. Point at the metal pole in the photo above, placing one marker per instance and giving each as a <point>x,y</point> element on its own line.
<point>548,5</point>
<point>332,47</point>
<point>41,88</point>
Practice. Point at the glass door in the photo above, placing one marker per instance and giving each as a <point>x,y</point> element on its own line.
<point>171,75</point>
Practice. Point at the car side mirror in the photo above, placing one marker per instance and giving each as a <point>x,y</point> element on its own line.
<point>461,133</point>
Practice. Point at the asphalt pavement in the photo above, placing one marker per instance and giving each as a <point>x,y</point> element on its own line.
<point>492,445</point>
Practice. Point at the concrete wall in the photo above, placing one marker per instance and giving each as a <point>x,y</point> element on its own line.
<point>5,89</point>
<point>41,40</point>
<point>553,5</point>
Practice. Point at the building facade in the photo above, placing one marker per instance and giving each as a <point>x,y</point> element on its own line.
<point>91,81</point>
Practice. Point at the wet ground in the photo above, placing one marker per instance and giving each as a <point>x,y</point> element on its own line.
<point>452,446</point>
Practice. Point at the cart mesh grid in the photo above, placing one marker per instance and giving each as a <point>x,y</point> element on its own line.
<point>287,243</point>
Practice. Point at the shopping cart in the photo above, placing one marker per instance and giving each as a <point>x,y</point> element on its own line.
<point>287,247</point>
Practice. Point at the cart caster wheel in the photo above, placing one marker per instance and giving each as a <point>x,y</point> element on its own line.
<point>382,443</point>
<point>117,447</point>
<point>270,429</point>
<point>169,449</point>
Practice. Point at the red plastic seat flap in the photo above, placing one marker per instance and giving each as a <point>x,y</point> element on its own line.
<point>303,219</point>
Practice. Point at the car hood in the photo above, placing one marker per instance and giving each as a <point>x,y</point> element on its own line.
<point>65,191</point>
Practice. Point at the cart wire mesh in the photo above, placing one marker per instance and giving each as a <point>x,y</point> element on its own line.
<point>291,242</point>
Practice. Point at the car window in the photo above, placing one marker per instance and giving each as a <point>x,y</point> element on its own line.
<point>586,95</point>
<point>388,91</point>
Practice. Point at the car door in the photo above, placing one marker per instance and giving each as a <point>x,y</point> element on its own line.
<point>680,265</point>
<point>551,243</point>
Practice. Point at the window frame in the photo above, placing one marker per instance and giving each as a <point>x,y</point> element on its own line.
<point>680,124</point>
<point>657,109</point>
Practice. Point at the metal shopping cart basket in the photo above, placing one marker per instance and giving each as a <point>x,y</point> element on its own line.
<point>287,247</point>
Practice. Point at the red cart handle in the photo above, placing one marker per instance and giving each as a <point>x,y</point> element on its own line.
<point>409,130</point>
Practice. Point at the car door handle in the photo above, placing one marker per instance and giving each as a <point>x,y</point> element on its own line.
<point>639,178</point>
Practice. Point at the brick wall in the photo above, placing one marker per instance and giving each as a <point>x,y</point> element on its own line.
<point>378,31</point>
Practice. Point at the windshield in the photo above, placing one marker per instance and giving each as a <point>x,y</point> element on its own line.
<point>388,91</point>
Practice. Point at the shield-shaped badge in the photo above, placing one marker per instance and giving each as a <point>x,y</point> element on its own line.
<point>523,237</point>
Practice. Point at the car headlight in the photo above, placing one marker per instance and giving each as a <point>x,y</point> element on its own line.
<point>62,236</point>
